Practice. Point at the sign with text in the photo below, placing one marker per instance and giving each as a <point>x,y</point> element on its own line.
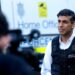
<point>35,14</point>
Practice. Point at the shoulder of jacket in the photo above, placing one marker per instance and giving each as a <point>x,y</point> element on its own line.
<point>55,38</point>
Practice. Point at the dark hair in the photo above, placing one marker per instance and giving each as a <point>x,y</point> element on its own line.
<point>67,12</point>
<point>3,25</point>
<point>73,18</point>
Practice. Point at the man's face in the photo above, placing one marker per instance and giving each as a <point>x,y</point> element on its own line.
<point>65,26</point>
<point>4,41</point>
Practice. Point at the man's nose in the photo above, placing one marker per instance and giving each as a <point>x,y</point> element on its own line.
<point>60,24</point>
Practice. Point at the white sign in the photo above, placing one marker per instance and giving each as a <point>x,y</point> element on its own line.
<point>24,14</point>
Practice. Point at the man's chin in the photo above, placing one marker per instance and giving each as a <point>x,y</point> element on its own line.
<point>63,34</point>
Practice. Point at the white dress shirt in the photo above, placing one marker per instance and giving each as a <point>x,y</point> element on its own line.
<point>46,66</point>
<point>74,31</point>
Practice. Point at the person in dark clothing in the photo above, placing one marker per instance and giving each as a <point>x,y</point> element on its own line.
<point>4,36</point>
<point>11,64</point>
<point>60,54</point>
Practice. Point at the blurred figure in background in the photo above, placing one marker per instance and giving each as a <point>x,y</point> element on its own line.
<point>4,36</point>
<point>11,64</point>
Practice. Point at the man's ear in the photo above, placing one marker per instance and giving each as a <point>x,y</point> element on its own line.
<point>73,24</point>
